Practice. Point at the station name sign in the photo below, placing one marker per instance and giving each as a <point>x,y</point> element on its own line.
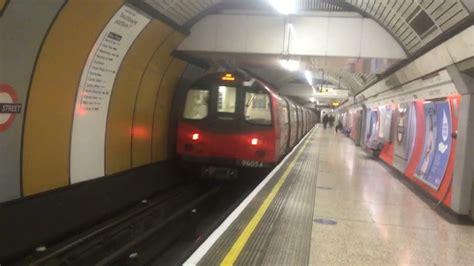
<point>10,108</point>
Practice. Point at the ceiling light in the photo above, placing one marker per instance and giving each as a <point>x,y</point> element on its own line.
<point>290,65</point>
<point>312,99</point>
<point>309,77</point>
<point>284,7</point>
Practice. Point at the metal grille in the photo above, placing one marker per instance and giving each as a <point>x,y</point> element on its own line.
<point>429,17</point>
<point>355,81</point>
<point>181,11</point>
<point>319,5</point>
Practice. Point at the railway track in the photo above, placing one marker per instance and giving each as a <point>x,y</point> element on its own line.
<point>135,237</point>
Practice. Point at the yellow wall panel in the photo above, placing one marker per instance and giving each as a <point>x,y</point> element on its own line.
<point>3,3</point>
<point>48,124</point>
<point>147,95</point>
<point>162,110</point>
<point>122,102</point>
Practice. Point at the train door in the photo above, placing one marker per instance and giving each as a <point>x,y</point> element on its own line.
<point>303,111</point>
<point>300,120</point>
<point>294,125</point>
<point>291,124</point>
<point>224,123</point>
<point>298,123</point>
<point>283,117</point>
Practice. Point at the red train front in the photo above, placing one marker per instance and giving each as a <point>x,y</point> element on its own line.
<point>229,120</point>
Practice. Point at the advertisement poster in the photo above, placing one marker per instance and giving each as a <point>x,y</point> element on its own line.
<point>437,144</point>
<point>427,154</point>
<point>374,125</point>
<point>95,89</point>
<point>443,145</point>
<point>368,116</point>
<point>410,130</point>
<point>386,131</point>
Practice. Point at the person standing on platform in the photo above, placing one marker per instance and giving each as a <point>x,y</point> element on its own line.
<point>325,120</point>
<point>339,125</point>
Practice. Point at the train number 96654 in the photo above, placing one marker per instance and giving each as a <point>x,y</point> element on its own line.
<point>255,164</point>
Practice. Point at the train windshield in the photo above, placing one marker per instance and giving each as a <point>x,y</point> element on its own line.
<point>257,108</point>
<point>196,106</point>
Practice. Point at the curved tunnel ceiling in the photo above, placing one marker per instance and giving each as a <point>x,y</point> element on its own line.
<point>413,23</point>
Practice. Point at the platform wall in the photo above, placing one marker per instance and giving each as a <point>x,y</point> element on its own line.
<point>418,140</point>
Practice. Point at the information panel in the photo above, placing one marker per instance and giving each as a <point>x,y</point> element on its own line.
<point>404,135</point>
<point>95,89</point>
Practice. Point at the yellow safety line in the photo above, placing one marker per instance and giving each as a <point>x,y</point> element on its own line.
<point>239,245</point>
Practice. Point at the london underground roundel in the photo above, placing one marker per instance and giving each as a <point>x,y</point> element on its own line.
<point>9,106</point>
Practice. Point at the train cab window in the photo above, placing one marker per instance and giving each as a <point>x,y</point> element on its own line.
<point>226,99</point>
<point>196,106</point>
<point>257,108</point>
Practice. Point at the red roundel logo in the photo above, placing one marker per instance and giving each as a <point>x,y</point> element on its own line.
<point>9,106</point>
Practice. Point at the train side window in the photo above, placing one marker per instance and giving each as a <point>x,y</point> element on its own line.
<point>257,108</point>
<point>196,106</point>
<point>226,99</point>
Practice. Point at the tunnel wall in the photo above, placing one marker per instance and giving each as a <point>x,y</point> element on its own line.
<point>23,26</point>
<point>57,40</point>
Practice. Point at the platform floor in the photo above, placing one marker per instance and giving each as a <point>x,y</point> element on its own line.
<point>331,204</point>
<point>379,220</point>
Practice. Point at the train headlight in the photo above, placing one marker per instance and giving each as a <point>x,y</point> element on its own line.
<point>254,141</point>
<point>195,136</point>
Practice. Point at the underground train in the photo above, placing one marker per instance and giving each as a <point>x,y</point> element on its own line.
<point>232,120</point>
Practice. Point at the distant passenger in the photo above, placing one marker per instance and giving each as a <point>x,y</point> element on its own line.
<point>331,121</point>
<point>325,120</point>
<point>339,125</point>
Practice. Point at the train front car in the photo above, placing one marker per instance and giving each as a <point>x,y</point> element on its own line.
<point>228,122</point>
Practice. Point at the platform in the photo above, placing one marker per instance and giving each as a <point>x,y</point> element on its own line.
<point>330,203</point>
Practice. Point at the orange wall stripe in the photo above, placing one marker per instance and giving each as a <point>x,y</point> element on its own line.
<point>3,4</point>
<point>122,102</point>
<point>162,110</point>
<point>145,105</point>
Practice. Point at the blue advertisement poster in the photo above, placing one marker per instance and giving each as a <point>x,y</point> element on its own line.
<point>437,146</point>
<point>443,145</point>
<point>374,125</point>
